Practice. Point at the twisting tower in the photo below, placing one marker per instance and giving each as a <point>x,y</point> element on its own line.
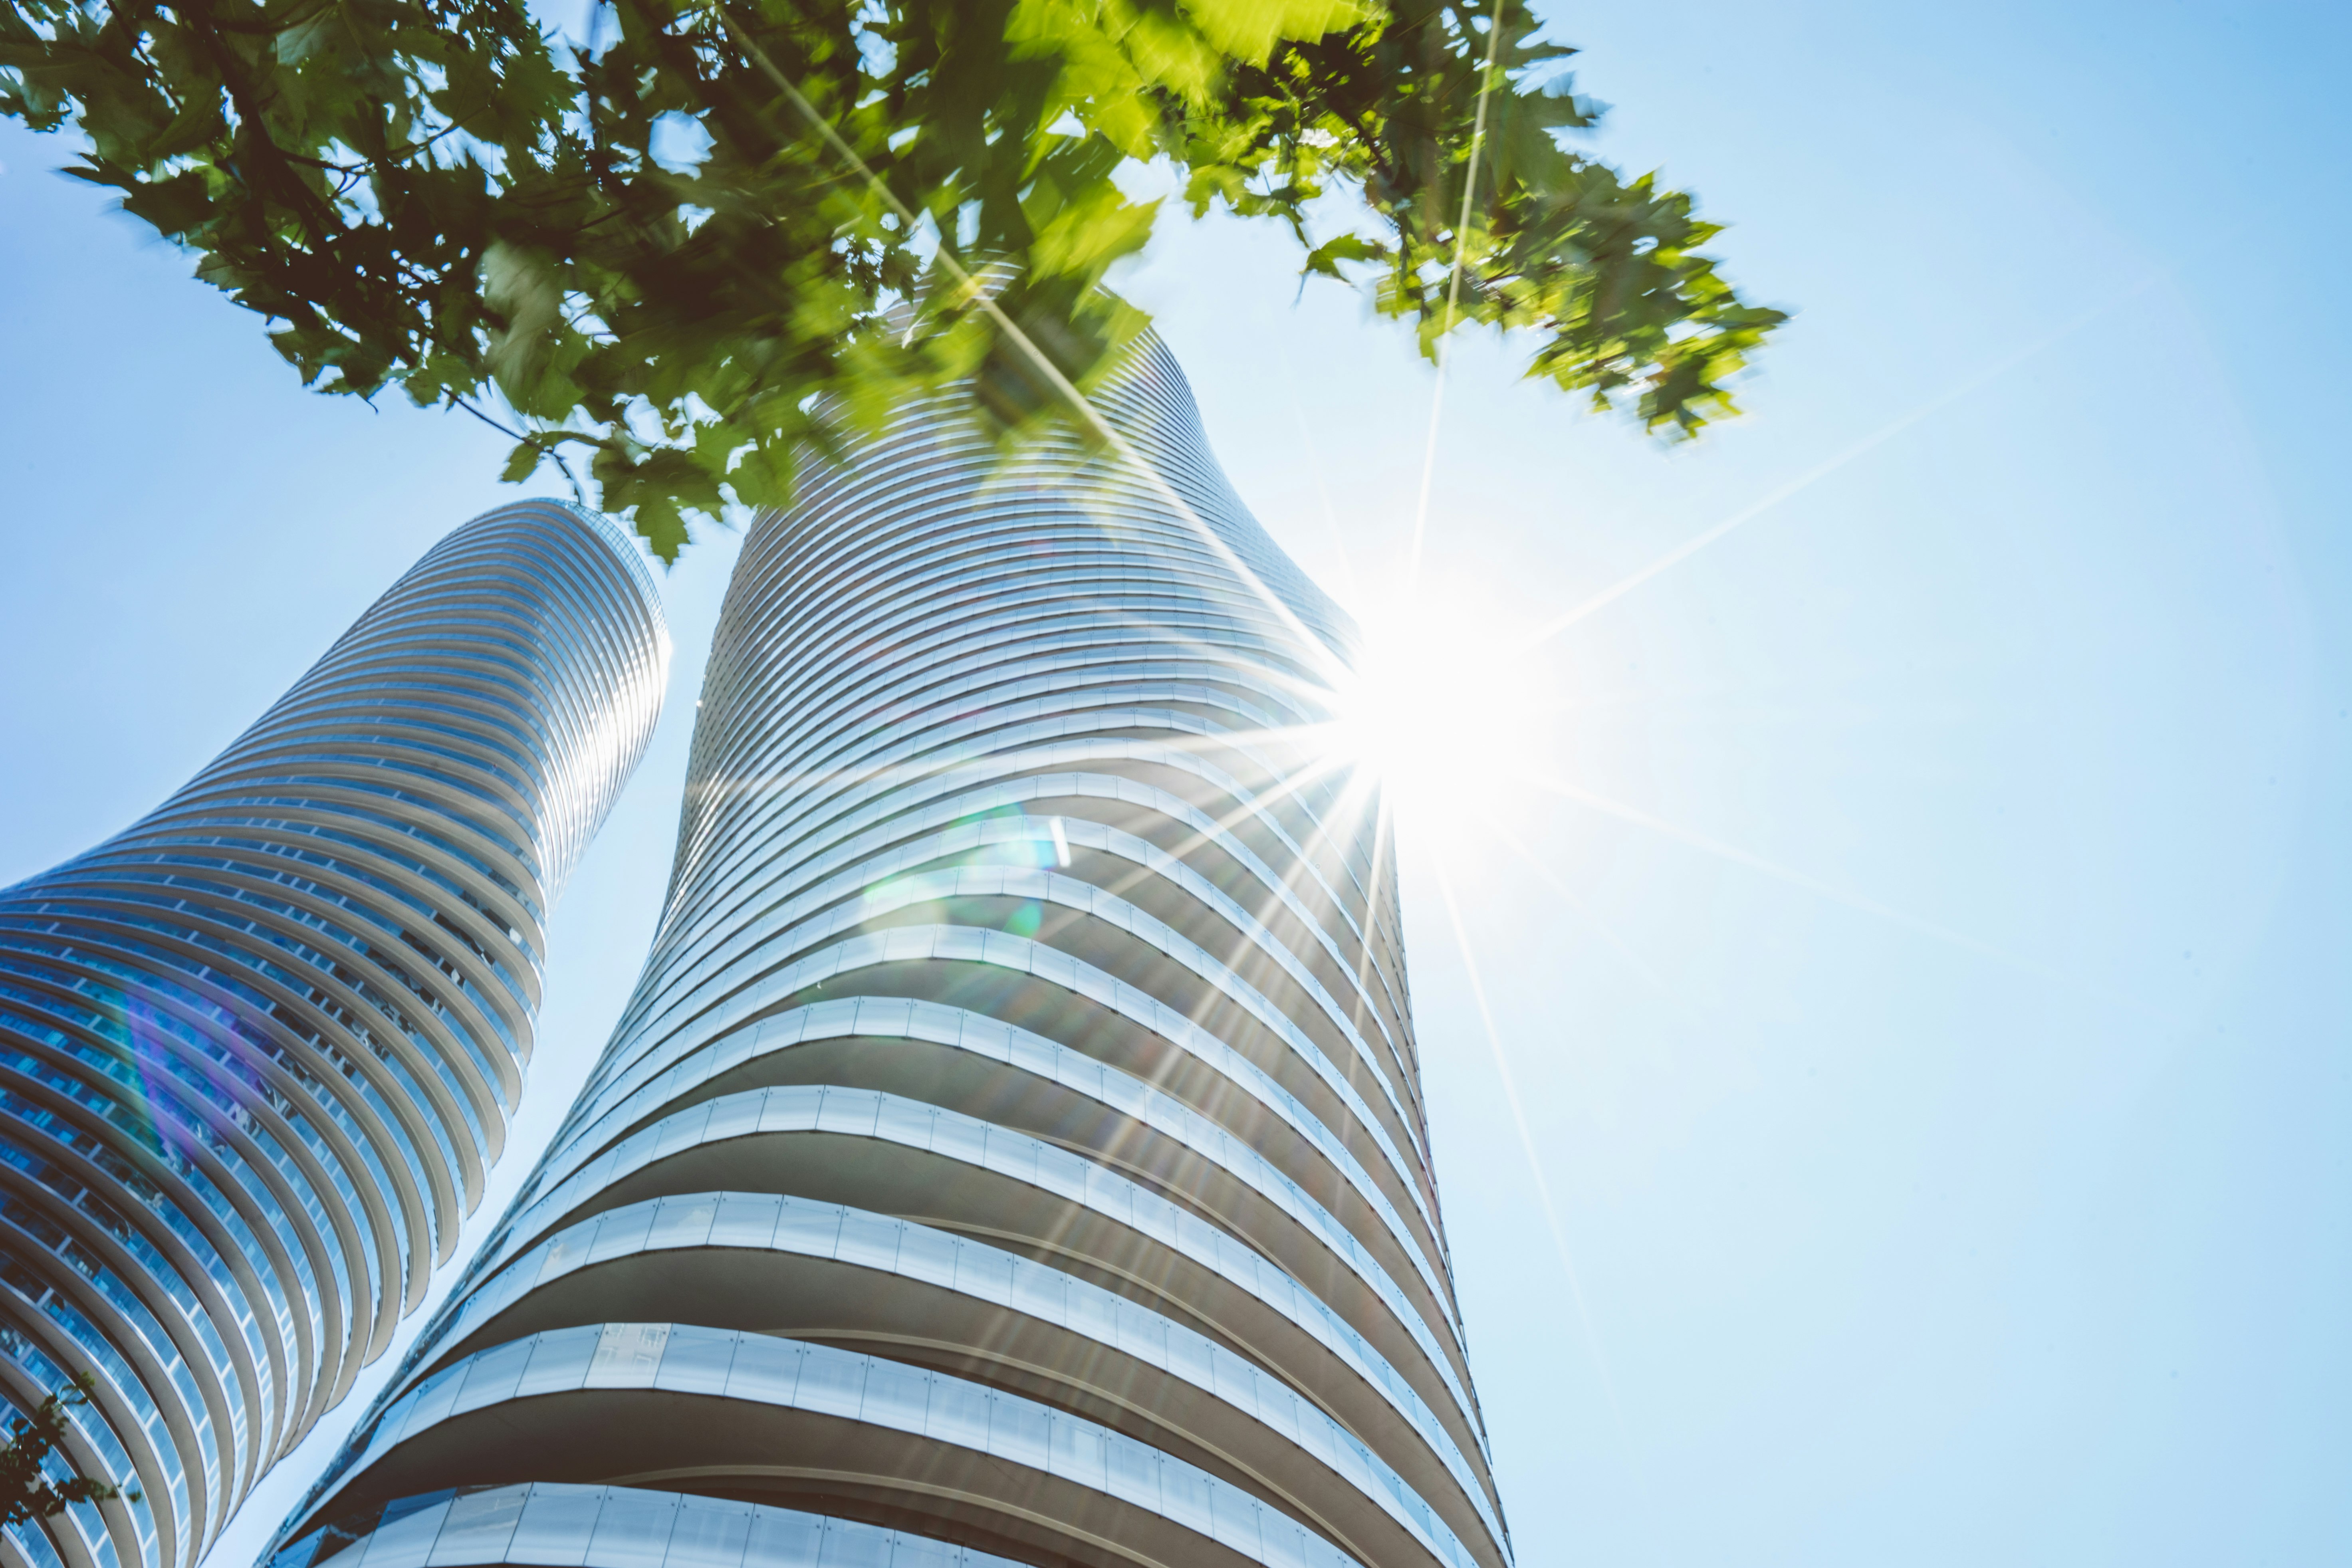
<point>256,1050</point>
<point>1015,1146</point>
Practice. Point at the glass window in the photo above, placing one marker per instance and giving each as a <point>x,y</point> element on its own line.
<point>1012,1154</point>
<point>902,944</point>
<point>849,1110</point>
<point>404,1540</point>
<point>491,1376</point>
<point>1078,1452</point>
<point>44,1555</point>
<point>696,1360</point>
<point>683,1131</point>
<point>1282,1543</point>
<point>831,1382</point>
<point>555,1525</point>
<point>1093,1313</point>
<point>1040,1291</point>
<point>744,1219</point>
<point>734,1117</point>
<point>791,1109</point>
<point>807,1228</point>
<point>1275,1405</point>
<point>1141,1331</point>
<point>984,1272</point>
<point>559,1360</point>
<point>897,1396</point>
<point>959,1137</point>
<point>478,1527</point>
<point>683,1221</point>
<point>924,1253</point>
<point>905,1121</point>
<point>884,1016</point>
<point>1131,1471</point>
<point>782,1539</point>
<point>869,1239</point>
<point>632,1529</point>
<point>629,1355</point>
<point>711,1533</point>
<point>849,1544</point>
<point>958,1413</point>
<point>426,1406</point>
<point>1237,1514</point>
<point>1184,1497</point>
<point>918,1551</point>
<point>766,1369</point>
<point>1017,1432</point>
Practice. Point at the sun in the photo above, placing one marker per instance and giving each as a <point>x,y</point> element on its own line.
<point>1440,710</point>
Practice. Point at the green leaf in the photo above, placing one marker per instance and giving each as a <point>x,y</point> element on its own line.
<point>522,463</point>
<point>1247,30</point>
<point>1326,257</point>
<point>426,194</point>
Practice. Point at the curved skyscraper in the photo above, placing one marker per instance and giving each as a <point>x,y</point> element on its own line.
<point>1014,1148</point>
<point>257,1049</point>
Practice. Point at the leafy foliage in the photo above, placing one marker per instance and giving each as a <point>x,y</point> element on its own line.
<point>653,250</point>
<point>27,1492</point>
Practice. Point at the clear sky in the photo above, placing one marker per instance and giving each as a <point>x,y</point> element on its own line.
<point>1925,983</point>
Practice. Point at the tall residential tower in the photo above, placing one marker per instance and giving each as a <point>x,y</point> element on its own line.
<point>257,1049</point>
<point>1014,1148</point>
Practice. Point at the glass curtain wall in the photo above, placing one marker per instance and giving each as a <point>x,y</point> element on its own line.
<point>1014,1148</point>
<point>258,1050</point>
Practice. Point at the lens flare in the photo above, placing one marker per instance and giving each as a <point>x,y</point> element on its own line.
<point>1440,710</point>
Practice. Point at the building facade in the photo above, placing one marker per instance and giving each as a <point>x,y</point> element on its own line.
<point>258,1050</point>
<point>1015,1147</point>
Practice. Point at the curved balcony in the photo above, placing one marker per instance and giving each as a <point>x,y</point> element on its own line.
<point>258,1050</point>
<point>1015,1142</point>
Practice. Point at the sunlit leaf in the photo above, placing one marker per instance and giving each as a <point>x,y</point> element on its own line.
<point>430,194</point>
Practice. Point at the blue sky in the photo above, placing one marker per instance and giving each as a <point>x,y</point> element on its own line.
<point>1929,1016</point>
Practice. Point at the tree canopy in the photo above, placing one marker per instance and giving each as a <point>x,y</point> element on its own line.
<point>713,234</point>
<point>27,1491</point>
